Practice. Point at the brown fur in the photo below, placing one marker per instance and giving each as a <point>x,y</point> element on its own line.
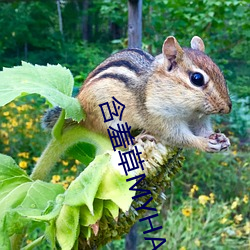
<point>158,94</point>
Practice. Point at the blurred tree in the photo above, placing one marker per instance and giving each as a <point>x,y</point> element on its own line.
<point>134,23</point>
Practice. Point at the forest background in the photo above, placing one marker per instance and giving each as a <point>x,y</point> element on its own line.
<point>207,205</point>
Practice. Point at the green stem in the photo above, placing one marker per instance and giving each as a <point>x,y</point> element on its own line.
<point>16,240</point>
<point>57,147</point>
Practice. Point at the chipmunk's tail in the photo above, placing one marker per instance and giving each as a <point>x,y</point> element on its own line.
<point>50,117</point>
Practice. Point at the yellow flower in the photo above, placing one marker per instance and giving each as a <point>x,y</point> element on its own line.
<point>29,124</point>
<point>245,199</point>
<point>193,190</point>
<point>77,162</point>
<point>234,152</point>
<point>6,141</point>
<point>247,227</point>
<point>14,123</point>
<point>73,168</point>
<point>197,242</point>
<point>65,163</point>
<point>211,195</point>
<point>187,211</point>
<point>35,159</point>
<point>4,134</point>
<point>238,233</point>
<point>24,154</point>
<point>203,199</point>
<point>70,178</point>
<point>6,149</point>
<point>235,203</point>
<point>6,113</point>
<point>238,218</point>
<point>65,185</point>
<point>23,164</point>
<point>223,220</point>
<point>55,178</point>
<point>12,105</point>
<point>182,248</point>
<point>224,164</point>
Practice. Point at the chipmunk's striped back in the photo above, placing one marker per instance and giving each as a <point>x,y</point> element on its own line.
<point>123,76</point>
<point>124,66</point>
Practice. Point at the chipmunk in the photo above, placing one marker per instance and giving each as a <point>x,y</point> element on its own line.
<point>170,96</point>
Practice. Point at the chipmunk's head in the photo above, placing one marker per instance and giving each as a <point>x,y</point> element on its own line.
<point>198,77</point>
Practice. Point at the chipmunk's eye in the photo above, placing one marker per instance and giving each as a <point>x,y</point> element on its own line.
<point>197,79</point>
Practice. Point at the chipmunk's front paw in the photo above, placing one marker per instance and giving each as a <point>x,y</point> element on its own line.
<point>144,137</point>
<point>218,142</point>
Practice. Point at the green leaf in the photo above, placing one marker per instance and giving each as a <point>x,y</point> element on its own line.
<point>86,232</point>
<point>14,198</point>
<point>9,168</point>
<point>50,234</point>
<point>53,82</point>
<point>4,240</point>
<point>86,218</point>
<point>6,186</point>
<point>83,189</point>
<point>39,194</point>
<point>112,208</point>
<point>46,216</point>
<point>20,197</point>
<point>115,187</point>
<point>83,152</point>
<point>58,127</point>
<point>67,226</point>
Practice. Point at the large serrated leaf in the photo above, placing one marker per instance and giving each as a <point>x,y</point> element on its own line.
<point>67,226</point>
<point>53,82</point>
<point>115,187</point>
<point>86,218</point>
<point>21,197</point>
<point>83,189</point>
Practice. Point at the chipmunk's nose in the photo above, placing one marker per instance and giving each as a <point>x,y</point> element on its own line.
<point>227,108</point>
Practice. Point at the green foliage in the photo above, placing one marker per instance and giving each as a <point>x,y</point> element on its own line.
<point>52,82</point>
<point>24,201</point>
<point>19,198</point>
<point>204,223</point>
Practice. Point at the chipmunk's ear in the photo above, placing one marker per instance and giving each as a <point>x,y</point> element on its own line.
<point>171,49</point>
<point>197,43</point>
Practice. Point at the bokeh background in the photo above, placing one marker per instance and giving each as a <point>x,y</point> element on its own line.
<point>207,206</point>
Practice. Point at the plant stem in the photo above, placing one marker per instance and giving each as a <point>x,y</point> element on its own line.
<point>57,147</point>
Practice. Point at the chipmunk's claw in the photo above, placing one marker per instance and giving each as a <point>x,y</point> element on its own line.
<point>144,137</point>
<point>218,142</point>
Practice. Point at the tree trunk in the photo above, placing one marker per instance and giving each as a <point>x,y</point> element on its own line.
<point>135,23</point>
<point>59,16</point>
